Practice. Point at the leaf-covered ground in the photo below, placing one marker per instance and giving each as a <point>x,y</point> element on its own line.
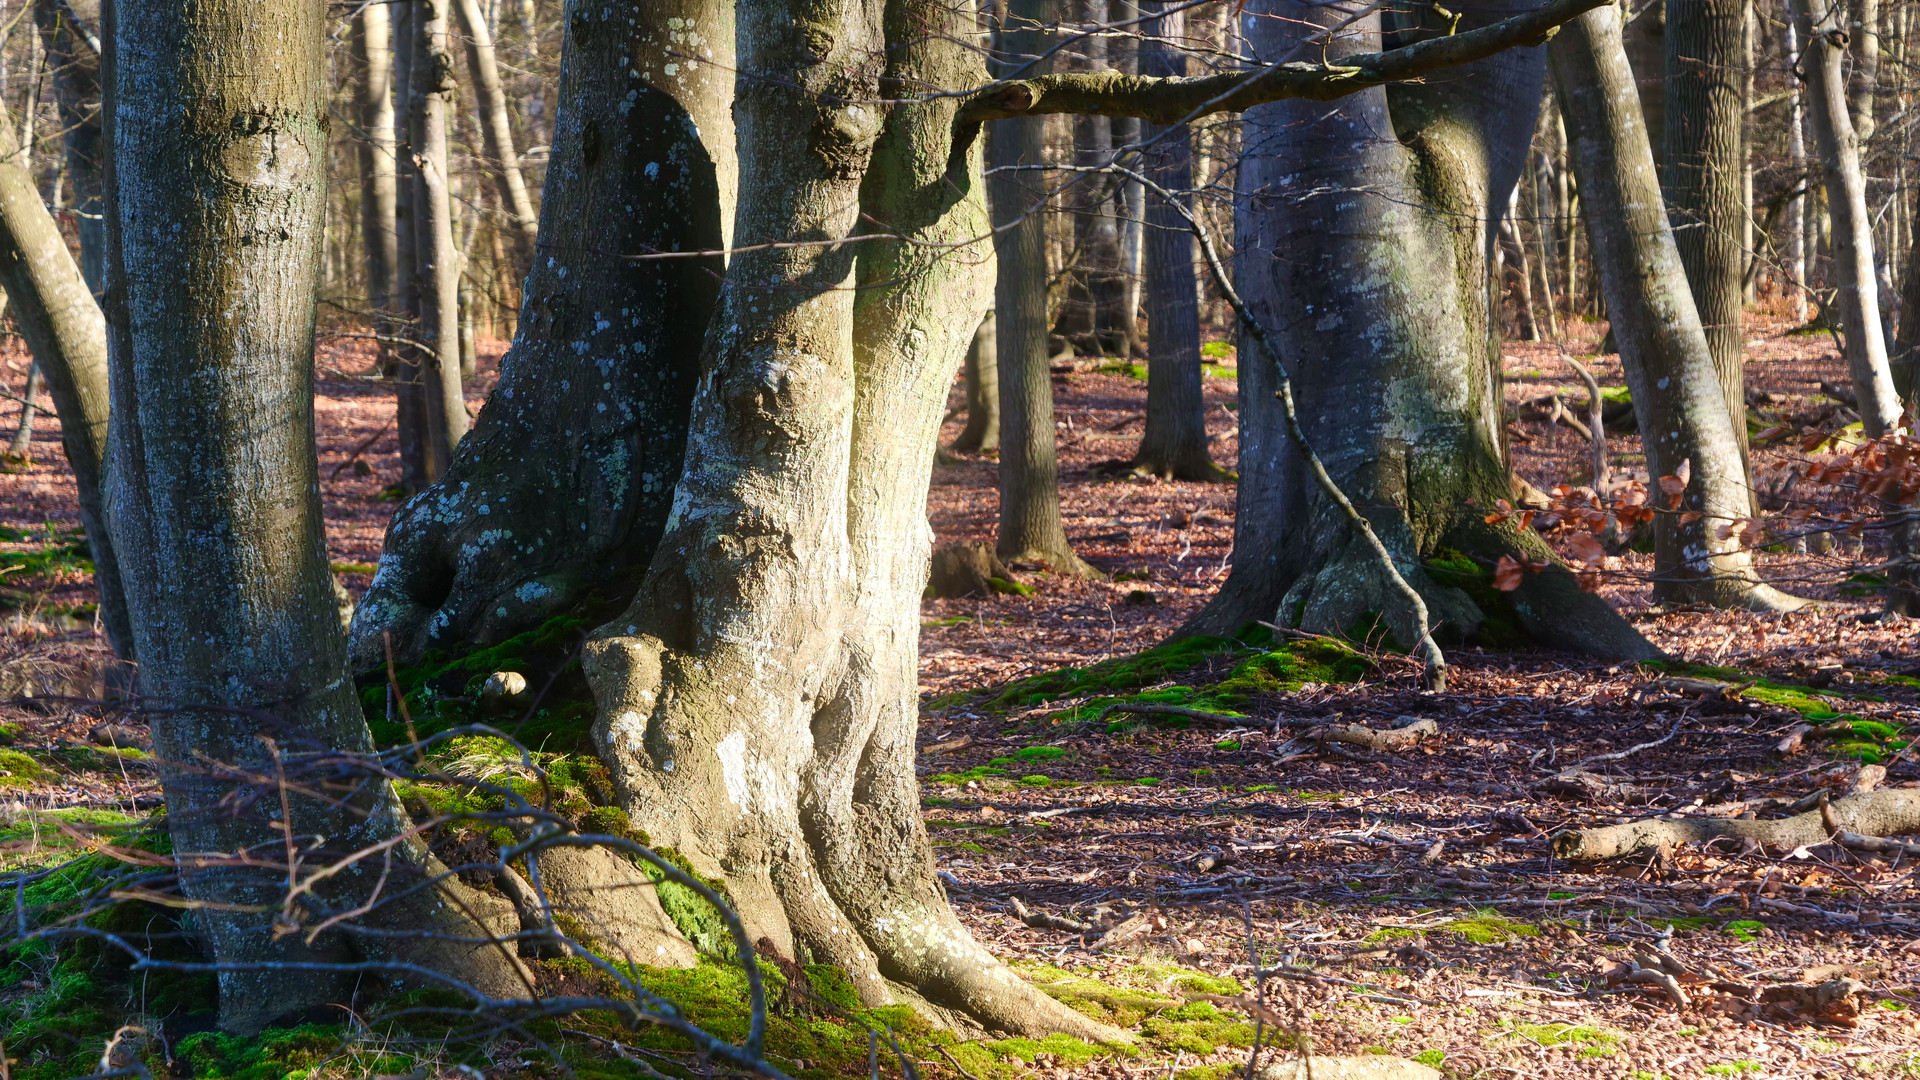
<point>1404,901</point>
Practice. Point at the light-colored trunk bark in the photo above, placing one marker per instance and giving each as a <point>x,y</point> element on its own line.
<point>217,119</point>
<point>436,266</point>
<point>1676,392</point>
<point>1380,309</point>
<point>1864,31</point>
<point>1854,279</point>
<point>497,125</point>
<point>57,314</point>
<point>1797,215</point>
<point>565,483</point>
<point>380,240</point>
<point>21,449</point>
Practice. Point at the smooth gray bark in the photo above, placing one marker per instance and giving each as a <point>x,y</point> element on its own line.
<point>562,488</point>
<point>497,125</point>
<point>21,449</point>
<point>436,260</point>
<point>983,391</point>
<point>408,369</point>
<point>68,29</point>
<point>379,231</point>
<point>1676,391</point>
<point>1854,279</point>
<point>217,119</point>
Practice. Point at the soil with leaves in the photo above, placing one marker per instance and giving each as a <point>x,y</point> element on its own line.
<point>1241,849</point>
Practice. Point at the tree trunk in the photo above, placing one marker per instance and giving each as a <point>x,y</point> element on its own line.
<point>21,449</point>
<point>68,30</point>
<point>217,121</point>
<point>436,265</point>
<point>1798,256</point>
<point>61,321</point>
<point>757,700</point>
<point>1030,523</point>
<point>373,48</point>
<point>1854,281</point>
<point>1380,307</point>
<point>983,391</point>
<point>496,125</point>
<point>1174,445</point>
<point>567,479</point>
<point>409,369</point>
<point>1704,179</point>
<point>1864,32</point>
<point>1676,392</point>
<point>1645,38</point>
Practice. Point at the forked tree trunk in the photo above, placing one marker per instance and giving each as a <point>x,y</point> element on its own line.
<point>1381,308</point>
<point>436,265</point>
<point>217,116</point>
<point>1855,282</point>
<point>565,482</point>
<point>1677,397</point>
<point>373,49</point>
<point>1705,179</point>
<point>61,320</point>
<point>983,391</point>
<point>1030,523</point>
<point>1174,444</point>
<point>496,124</point>
<point>758,700</point>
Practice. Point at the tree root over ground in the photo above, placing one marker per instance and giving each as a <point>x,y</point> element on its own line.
<point>1891,812</point>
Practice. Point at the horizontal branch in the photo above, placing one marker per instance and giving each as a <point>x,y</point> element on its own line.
<point>1172,100</point>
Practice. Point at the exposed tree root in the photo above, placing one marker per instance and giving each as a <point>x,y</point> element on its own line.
<point>1891,812</point>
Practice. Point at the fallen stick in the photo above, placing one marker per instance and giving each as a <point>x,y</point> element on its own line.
<point>1889,812</point>
<point>1375,739</point>
<point>1041,920</point>
<point>1618,755</point>
<point>1878,844</point>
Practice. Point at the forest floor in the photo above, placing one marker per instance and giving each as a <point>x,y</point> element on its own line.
<point>1404,901</point>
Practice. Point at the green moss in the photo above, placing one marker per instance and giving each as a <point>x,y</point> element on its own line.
<point>1119,674</point>
<point>271,1055</point>
<point>19,771</point>
<point>1680,922</point>
<point>1744,929</point>
<point>1218,350</point>
<point>1431,1058</point>
<point>1123,367</point>
<point>1499,624</point>
<point>1490,928</point>
<point>442,691</point>
<point>1732,1068</point>
<point>1040,753</point>
<point>1391,933</point>
<point>1562,1034</point>
<point>978,772</point>
<point>1010,588</point>
<point>1280,671</point>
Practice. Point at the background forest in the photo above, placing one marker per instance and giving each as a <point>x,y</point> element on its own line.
<point>1046,539</point>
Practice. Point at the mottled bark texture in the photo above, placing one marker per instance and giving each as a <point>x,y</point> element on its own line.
<point>69,31</point>
<point>496,124</point>
<point>1676,390</point>
<point>1857,288</point>
<point>436,261</point>
<point>758,700</point>
<point>1705,178</point>
<point>983,391</point>
<point>217,118</point>
<point>564,484</point>
<point>1030,523</point>
<point>51,303</point>
<point>1174,444</point>
<point>1364,234</point>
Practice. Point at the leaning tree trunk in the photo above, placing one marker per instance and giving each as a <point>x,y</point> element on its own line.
<point>564,484</point>
<point>436,265</point>
<point>1030,522</point>
<point>1174,445</point>
<point>1380,305</point>
<point>379,236</point>
<point>217,119</point>
<point>496,125</point>
<point>1676,391</point>
<point>69,31</point>
<point>983,391</point>
<point>1705,179</point>
<point>1857,286</point>
<point>758,700</point>
<point>51,303</point>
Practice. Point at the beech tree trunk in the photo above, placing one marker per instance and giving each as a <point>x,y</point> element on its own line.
<point>1705,179</point>
<point>1855,282</point>
<point>565,483</point>
<point>1030,523</point>
<point>217,115</point>
<point>61,321</point>
<point>758,700</point>
<point>68,31</point>
<point>408,369</point>
<point>496,124</point>
<point>380,239</point>
<point>1382,308</point>
<point>436,265</point>
<point>983,391</point>
<point>1174,445</point>
<point>1677,396</point>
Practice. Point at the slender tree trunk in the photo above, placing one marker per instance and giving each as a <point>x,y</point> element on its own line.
<point>436,259</point>
<point>1030,522</point>
<point>1797,216</point>
<point>1129,201</point>
<point>373,47</point>
<point>409,368</point>
<point>21,450</point>
<point>1676,392</point>
<point>1864,33</point>
<point>983,391</point>
<point>1380,307</point>
<point>61,321</point>
<point>215,188</point>
<point>1174,445</point>
<point>564,484</point>
<point>67,30</point>
<point>1704,179</point>
<point>496,124</point>
<point>1646,45</point>
<point>1857,286</point>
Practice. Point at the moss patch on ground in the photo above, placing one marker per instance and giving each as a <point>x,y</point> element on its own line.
<point>1848,734</point>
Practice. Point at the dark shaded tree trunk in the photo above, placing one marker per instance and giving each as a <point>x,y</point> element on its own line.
<point>215,192</point>
<point>69,31</point>
<point>1381,306</point>
<point>1677,396</point>
<point>1174,445</point>
<point>407,365</point>
<point>983,391</point>
<point>1646,45</point>
<point>1030,523</point>
<point>564,485</point>
<point>1704,181</point>
<point>436,260</point>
